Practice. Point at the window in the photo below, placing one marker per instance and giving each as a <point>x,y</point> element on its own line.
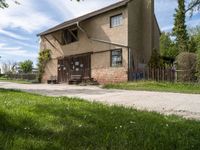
<point>116,20</point>
<point>116,58</point>
<point>70,36</point>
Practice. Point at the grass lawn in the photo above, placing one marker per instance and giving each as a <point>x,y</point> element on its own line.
<point>34,122</point>
<point>157,86</point>
<point>15,81</point>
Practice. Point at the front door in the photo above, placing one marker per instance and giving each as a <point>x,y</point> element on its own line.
<point>74,67</point>
<point>80,66</point>
<point>63,70</point>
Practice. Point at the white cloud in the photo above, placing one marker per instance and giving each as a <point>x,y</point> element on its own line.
<point>25,17</point>
<point>6,50</point>
<point>27,45</point>
<point>194,22</point>
<point>167,28</point>
<point>70,8</point>
<point>13,35</point>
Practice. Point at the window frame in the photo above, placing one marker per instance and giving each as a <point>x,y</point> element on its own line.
<point>69,31</point>
<point>111,58</point>
<point>120,14</point>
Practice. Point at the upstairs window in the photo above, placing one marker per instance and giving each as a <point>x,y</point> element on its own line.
<point>116,21</point>
<point>70,36</point>
<point>116,58</point>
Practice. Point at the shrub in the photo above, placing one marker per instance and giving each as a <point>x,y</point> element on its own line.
<point>186,63</point>
<point>198,65</point>
<point>155,60</point>
<point>26,66</point>
<point>44,58</point>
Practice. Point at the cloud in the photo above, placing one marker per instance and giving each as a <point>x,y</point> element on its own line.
<point>165,10</point>
<point>69,9</point>
<point>27,44</point>
<point>6,50</point>
<point>13,35</point>
<point>24,17</point>
<point>194,22</point>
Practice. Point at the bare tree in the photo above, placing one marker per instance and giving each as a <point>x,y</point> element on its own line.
<point>9,67</point>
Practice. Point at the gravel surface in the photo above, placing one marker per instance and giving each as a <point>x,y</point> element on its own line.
<point>186,105</point>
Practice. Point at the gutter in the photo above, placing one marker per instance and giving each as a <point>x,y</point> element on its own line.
<point>99,40</point>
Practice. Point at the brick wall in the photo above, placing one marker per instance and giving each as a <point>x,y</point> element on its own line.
<point>110,75</point>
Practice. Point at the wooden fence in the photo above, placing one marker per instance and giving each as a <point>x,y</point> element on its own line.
<point>157,74</point>
<point>21,76</point>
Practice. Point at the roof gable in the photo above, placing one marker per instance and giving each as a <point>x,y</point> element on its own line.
<point>85,17</point>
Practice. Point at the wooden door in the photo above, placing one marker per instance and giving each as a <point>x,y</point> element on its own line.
<point>63,70</point>
<point>74,66</point>
<point>80,66</point>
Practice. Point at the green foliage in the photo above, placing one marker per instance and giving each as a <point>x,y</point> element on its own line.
<point>192,45</point>
<point>186,62</point>
<point>157,86</point>
<point>155,60</point>
<point>34,122</point>
<point>44,58</point>
<point>180,28</point>
<point>195,35</point>
<point>198,65</point>
<point>168,48</point>
<point>3,4</point>
<point>26,66</point>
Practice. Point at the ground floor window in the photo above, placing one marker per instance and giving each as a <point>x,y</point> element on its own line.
<point>116,58</point>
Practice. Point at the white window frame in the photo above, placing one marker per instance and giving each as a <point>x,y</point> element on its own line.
<point>116,20</point>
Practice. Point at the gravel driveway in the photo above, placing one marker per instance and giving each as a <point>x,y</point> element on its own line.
<point>187,105</point>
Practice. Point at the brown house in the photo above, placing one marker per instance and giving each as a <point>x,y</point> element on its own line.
<point>105,45</point>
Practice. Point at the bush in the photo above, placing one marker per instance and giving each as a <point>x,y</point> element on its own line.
<point>186,63</point>
<point>26,66</point>
<point>198,66</point>
<point>155,60</point>
<point>44,58</point>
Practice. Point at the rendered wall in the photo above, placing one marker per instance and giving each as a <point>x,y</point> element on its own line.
<point>141,30</point>
<point>99,28</point>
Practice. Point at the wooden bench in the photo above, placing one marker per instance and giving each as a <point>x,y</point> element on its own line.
<point>52,80</point>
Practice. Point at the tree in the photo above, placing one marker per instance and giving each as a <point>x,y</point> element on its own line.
<point>180,28</point>
<point>198,65</point>
<point>187,63</point>
<point>194,34</point>
<point>4,4</point>
<point>9,67</point>
<point>155,60</point>
<point>194,5</point>
<point>26,66</point>
<point>168,47</point>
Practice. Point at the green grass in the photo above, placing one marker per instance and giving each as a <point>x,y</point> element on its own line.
<point>157,86</point>
<point>34,122</point>
<point>15,81</point>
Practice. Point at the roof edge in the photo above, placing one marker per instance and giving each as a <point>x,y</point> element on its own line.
<point>84,17</point>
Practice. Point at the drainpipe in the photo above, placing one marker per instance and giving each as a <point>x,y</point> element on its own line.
<point>78,25</point>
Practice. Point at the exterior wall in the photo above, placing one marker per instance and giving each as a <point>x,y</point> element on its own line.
<point>103,73</point>
<point>141,30</point>
<point>156,35</point>
<point>135,30</point>
<point>98,28</point>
